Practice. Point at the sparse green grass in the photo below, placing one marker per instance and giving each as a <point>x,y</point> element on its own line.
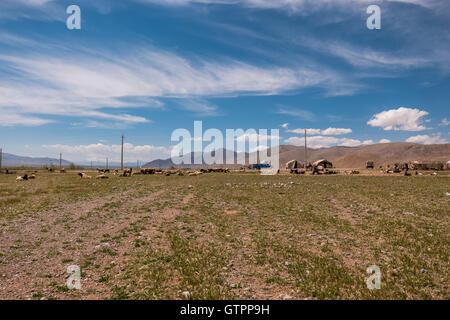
<point>237,235</point>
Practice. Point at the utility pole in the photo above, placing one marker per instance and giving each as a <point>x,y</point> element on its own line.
<point>306,152</point>
<point>91,164</point>
<point>106,163</point>
<point>1,155</point>
<point>60,161</point>
<point>121,157</point>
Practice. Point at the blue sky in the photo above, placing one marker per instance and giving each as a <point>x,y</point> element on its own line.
<point>144,68</point>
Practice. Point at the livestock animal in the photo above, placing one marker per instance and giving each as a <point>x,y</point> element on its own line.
<point>22,178</point>
<point>148,171</point>
<point>84,175</point>
<point>102,176</point>
<point>127,172</point>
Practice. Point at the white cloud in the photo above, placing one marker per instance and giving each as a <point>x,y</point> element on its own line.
<point>326,132</point>
<point>336,131</point>
<point>99,152</point>
<point>255,137</point>
<point>309,131</point>
<point>406,119</point>
<point>444,122</point>
<point>323,142</point>
<point>285,125</point>
<point>385,141</point>
<point>426,139</point>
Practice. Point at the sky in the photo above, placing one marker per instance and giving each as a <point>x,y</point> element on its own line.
<point>144,68</point>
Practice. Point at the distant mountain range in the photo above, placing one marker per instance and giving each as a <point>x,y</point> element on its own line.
<point>341,157</point>
<point>11,160</point>
<point>348,157</point>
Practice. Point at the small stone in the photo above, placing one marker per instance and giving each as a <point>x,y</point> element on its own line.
<point>186,294</point>
<point>423,270</point>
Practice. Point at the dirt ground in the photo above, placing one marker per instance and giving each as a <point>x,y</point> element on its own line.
<point>225,236</point>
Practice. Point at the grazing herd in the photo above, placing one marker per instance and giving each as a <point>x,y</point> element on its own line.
<point>185,172</point>
<point>152,171</point>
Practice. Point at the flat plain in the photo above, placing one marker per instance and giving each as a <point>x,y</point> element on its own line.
<point>225,236</point>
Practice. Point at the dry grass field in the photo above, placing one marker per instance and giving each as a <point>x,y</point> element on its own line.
<point>225,236</point>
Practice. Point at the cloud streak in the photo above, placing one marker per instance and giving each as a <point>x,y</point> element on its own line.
<point>84,84</point>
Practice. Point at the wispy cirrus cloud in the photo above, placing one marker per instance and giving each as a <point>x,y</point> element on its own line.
<point>86,84</point>
<point>302,114</point>
<point>296,6</point>
<point>200,108</point>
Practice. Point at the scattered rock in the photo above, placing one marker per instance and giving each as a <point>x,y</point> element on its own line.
<point>186,294</point>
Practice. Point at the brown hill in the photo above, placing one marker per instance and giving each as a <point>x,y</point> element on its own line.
<point>382,154</point>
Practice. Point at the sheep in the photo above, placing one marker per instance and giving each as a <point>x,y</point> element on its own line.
<point>33,176</point>
<point>102,176</point>
<point>84,175</point>
<point>22,178</point>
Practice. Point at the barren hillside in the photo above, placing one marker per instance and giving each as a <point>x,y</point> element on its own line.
<point>355,157</point>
